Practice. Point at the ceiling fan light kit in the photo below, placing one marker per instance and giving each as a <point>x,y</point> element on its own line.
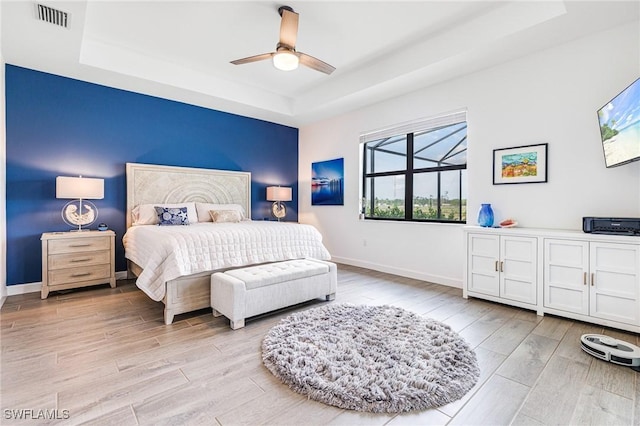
<point>286,58</point>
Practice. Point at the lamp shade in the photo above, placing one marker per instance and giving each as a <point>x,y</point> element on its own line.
<point>79,187</point>
<point>278,193</point>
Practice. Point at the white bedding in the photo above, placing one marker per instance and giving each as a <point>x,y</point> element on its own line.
<point>168,252</point>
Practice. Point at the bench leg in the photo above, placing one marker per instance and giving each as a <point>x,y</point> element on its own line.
<point>331,296</point>
<point>236,324</point>
<point>216,313</point>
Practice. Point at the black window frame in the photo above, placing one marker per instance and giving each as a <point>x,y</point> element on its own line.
<point>409,172</point>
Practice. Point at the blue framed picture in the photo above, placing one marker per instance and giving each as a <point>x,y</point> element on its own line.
<point>327,183</point>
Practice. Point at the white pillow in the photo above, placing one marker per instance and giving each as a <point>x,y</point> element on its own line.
<point>219,216</point>
<point>204,208</point>
<point>145,214</point>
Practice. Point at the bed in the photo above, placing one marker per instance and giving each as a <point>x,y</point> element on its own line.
<point>173,264</point>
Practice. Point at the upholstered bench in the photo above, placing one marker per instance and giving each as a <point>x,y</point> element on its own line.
<point>242,293</point>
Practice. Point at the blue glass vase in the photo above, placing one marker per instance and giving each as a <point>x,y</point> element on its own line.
<point>485,215</point>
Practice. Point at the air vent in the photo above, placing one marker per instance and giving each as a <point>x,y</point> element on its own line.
<point>52,16</point>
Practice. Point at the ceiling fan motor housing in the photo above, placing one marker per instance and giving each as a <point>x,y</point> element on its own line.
<point>612,350</point>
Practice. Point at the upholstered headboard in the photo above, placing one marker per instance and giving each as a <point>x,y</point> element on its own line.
<point>150,183</point>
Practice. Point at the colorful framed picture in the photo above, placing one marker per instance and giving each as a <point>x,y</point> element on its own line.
<point>521,164</point>
<point>327,183</point>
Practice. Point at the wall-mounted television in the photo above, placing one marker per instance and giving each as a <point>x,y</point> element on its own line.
<point>620,127</point>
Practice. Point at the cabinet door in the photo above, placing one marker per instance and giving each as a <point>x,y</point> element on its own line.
<point>483,253</point>
<point>614,282</point>
<point>566,265</point>
<point>518,269</point>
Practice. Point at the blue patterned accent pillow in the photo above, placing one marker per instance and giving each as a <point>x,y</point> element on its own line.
<point>172,216</point>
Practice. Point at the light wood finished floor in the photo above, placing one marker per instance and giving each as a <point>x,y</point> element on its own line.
<point>105,356</point>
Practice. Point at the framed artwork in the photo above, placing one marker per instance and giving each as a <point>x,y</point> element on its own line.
<point>327,183</point>
<point>521,164</point>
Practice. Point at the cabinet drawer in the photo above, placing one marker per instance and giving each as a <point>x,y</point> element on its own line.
<point>75,260</point>
<point>74,245</point>
<point>84,273</point>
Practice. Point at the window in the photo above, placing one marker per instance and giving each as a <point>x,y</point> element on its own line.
<point>427,185</point>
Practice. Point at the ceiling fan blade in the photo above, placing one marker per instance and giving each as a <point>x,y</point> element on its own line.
<point>315,63</point>
<point>288,27</point>
<point>254,58</point>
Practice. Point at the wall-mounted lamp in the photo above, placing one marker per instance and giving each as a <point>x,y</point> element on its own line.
<point>78,212</point>
<point>278,194</point>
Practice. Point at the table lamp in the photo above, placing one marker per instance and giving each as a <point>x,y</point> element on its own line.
<point>79,212</point>
<point>278,194</point>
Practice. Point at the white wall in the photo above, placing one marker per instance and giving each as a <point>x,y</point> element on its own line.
<point>551,96</point>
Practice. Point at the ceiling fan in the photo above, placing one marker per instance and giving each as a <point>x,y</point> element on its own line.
<point>286,57</point>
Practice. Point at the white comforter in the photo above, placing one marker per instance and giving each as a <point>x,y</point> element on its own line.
<point>168,252</point>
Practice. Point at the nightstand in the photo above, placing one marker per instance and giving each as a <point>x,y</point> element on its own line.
<point>77,259</point>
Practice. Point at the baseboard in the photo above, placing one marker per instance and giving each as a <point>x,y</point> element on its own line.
<point>16,289</point>
<point>436,279</point>
<point>13,290</point>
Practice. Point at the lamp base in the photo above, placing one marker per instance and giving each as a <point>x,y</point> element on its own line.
<point>279,210</point>
<point>79,213</point>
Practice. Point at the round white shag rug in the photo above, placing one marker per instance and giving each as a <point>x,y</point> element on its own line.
<point>379,359</point>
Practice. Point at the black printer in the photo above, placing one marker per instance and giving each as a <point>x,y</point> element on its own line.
<point>611,225</point>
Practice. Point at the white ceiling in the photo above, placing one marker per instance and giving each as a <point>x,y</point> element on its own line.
<point>181,50</point>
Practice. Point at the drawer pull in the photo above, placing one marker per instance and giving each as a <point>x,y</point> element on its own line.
<point>82,259</point>
<point>80,245</point>
<point>496,266</point>
<point>501,266</point>
<point>584,278</point>
<point>83,274</point>
<point>593,279</point>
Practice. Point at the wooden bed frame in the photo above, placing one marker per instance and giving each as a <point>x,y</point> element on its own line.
<point>149,184</point>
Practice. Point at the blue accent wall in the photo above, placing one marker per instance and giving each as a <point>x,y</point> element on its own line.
<point>58,126</point>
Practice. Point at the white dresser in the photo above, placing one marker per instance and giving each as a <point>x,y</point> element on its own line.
<point>588,277</point>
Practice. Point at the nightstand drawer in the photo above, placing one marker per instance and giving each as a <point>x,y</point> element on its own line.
<point>75,260</point>
<point>84,273</point>
<point>74,245</point>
